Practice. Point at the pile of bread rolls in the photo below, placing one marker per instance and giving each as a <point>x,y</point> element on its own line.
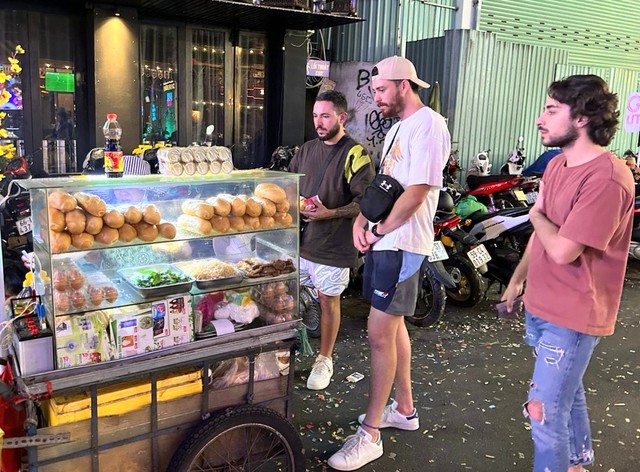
<point>266,209</point>
<point>82,219</point>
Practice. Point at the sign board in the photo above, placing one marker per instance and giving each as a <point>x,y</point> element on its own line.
<point>317,68</point>
<point>632,116</point>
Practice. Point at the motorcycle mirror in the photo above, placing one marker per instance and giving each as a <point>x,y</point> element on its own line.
<point>209,130</point>
<point>521,139</point>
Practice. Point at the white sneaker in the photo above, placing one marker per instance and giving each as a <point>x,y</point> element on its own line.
<point>392,419</point>
<point>358,450</point>
<point>321,373</point>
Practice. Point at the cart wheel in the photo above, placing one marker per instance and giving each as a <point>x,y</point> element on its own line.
<point>243,439</point>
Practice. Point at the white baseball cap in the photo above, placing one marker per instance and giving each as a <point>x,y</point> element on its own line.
<point>397,68</point>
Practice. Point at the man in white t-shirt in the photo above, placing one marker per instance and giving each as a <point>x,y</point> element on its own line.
<point>416,150</point>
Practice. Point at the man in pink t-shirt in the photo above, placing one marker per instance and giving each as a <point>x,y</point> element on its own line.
<point>574,265</point>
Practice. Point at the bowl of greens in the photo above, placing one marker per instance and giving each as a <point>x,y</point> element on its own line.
<point>157,280</point>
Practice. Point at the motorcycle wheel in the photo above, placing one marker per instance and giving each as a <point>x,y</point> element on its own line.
<point>310,311</point>
<point>468,291</point>
<point>431,300</point>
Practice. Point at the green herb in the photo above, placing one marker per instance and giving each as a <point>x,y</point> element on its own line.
<point>150,278</point>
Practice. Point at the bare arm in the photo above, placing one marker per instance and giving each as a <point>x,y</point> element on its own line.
<point>321,212</point>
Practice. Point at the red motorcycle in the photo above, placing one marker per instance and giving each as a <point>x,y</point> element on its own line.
<point>498,191</point>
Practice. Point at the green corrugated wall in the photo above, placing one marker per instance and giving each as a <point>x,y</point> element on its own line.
<point>602,33</point>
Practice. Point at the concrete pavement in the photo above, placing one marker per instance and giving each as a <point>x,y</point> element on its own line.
<point>471,375</point>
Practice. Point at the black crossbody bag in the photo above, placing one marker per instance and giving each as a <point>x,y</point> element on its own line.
<point>316,184</point>
<point>380,196</point>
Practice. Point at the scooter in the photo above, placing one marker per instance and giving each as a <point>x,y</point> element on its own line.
<point>505,235</point>
<point>495,191</point>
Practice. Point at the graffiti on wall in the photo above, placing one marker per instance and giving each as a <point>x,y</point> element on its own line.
<point>366,123</point>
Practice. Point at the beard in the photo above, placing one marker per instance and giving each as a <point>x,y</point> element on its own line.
<point>332,133</point>
<point>564,140</point>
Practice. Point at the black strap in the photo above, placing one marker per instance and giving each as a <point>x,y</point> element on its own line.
<point>388,149</point>
<point>337,147</point>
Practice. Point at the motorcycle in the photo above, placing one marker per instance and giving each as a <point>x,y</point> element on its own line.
<point>505,235</point>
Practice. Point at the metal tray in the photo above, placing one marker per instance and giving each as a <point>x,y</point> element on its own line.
<point>129,274</point>
<point>219,282</point>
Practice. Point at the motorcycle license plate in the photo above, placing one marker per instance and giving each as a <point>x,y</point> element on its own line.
<point>532,197</point>
<point>438,253</point>
<point>479,256</point>
<point>520,195</point>
<point>24,225</point>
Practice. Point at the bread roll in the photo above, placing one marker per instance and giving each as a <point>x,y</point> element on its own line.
<point>198,208</point>
<point>283,207</point>
<point>62,201</point>
<point>147,232</point>
<point>127,233</point>
<point>107,235</point>
<point>221,207</point>
<point>283,219</point>
<point>167,230</point>
<point>75,221</point>
<point>251,222</point>
<point>267,222</point>
<point>271,192</point>
<point>220,224</point>
<point>195,224</point>
<point>236,222</point>
<point>92,204</point>
<point>238,207</point>
<point>132,215</point>
<point>60,242</point>
<point>94,224</point>
<point>56,220</point>
<point>253,207</point>
<point>151,215</point>
<point>114,219</point>
<point>268,207</point>
<point>82,240</point>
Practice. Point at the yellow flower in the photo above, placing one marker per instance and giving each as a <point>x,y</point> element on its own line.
<point>4,97</point>
<point>19,49</point>
<point>2,115</point>
<point>1,177</point>
<point>3,77</point>
<point>3,132</point>
<point>16,68</point>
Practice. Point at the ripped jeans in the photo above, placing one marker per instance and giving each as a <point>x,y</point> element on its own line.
<point>561,436</point>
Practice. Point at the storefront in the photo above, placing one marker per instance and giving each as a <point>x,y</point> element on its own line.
<point>167,68</point>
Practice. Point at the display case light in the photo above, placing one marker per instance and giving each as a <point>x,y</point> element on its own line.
<point>250,51</point>
<point>195,48</point>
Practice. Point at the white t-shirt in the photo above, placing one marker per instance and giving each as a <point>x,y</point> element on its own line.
<point>417,155</point>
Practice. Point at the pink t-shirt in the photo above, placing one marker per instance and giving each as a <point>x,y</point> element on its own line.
<point>592,204</point>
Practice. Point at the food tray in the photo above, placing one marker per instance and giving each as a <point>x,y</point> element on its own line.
<point>249,275</point>
<point>129,274</point>
<point>218,282</point>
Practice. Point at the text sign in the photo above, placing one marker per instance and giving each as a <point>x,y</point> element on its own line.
<point>632,118</point>
<point>317,68</point>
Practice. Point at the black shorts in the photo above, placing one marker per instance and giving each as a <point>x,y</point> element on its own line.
<point>381,274</point>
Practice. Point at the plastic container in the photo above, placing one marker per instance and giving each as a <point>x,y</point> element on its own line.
<point>113,156</point>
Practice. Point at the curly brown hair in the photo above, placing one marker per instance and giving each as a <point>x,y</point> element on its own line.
<point>589,96</point>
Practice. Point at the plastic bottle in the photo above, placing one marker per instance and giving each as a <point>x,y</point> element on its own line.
<point>113,158</point>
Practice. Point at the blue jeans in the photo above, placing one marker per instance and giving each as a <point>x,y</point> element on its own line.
<point>562,438</point>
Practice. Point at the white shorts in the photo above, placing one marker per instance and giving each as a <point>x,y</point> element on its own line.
<point>330,281</point>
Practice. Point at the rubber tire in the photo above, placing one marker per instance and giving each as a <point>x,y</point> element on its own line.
<point>470,279</point>
<point>236,424</point>
<point>431,301</point>
<point>310,312</point>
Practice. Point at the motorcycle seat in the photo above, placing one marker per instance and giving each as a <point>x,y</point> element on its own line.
<point>474,181</point>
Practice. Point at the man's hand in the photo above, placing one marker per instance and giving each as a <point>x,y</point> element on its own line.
<point>360,236</point>
<point>513,291</point>
<point>320,212</point>
<point>538,207</point>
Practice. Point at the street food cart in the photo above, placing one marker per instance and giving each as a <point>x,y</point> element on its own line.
<point>165,340</point>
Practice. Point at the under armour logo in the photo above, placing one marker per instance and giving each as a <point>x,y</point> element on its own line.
<point>384,185</point>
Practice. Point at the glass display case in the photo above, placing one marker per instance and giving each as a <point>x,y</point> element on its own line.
<point>141,264</point>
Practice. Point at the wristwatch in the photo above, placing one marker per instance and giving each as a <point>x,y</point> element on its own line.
<point>374,231</point>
